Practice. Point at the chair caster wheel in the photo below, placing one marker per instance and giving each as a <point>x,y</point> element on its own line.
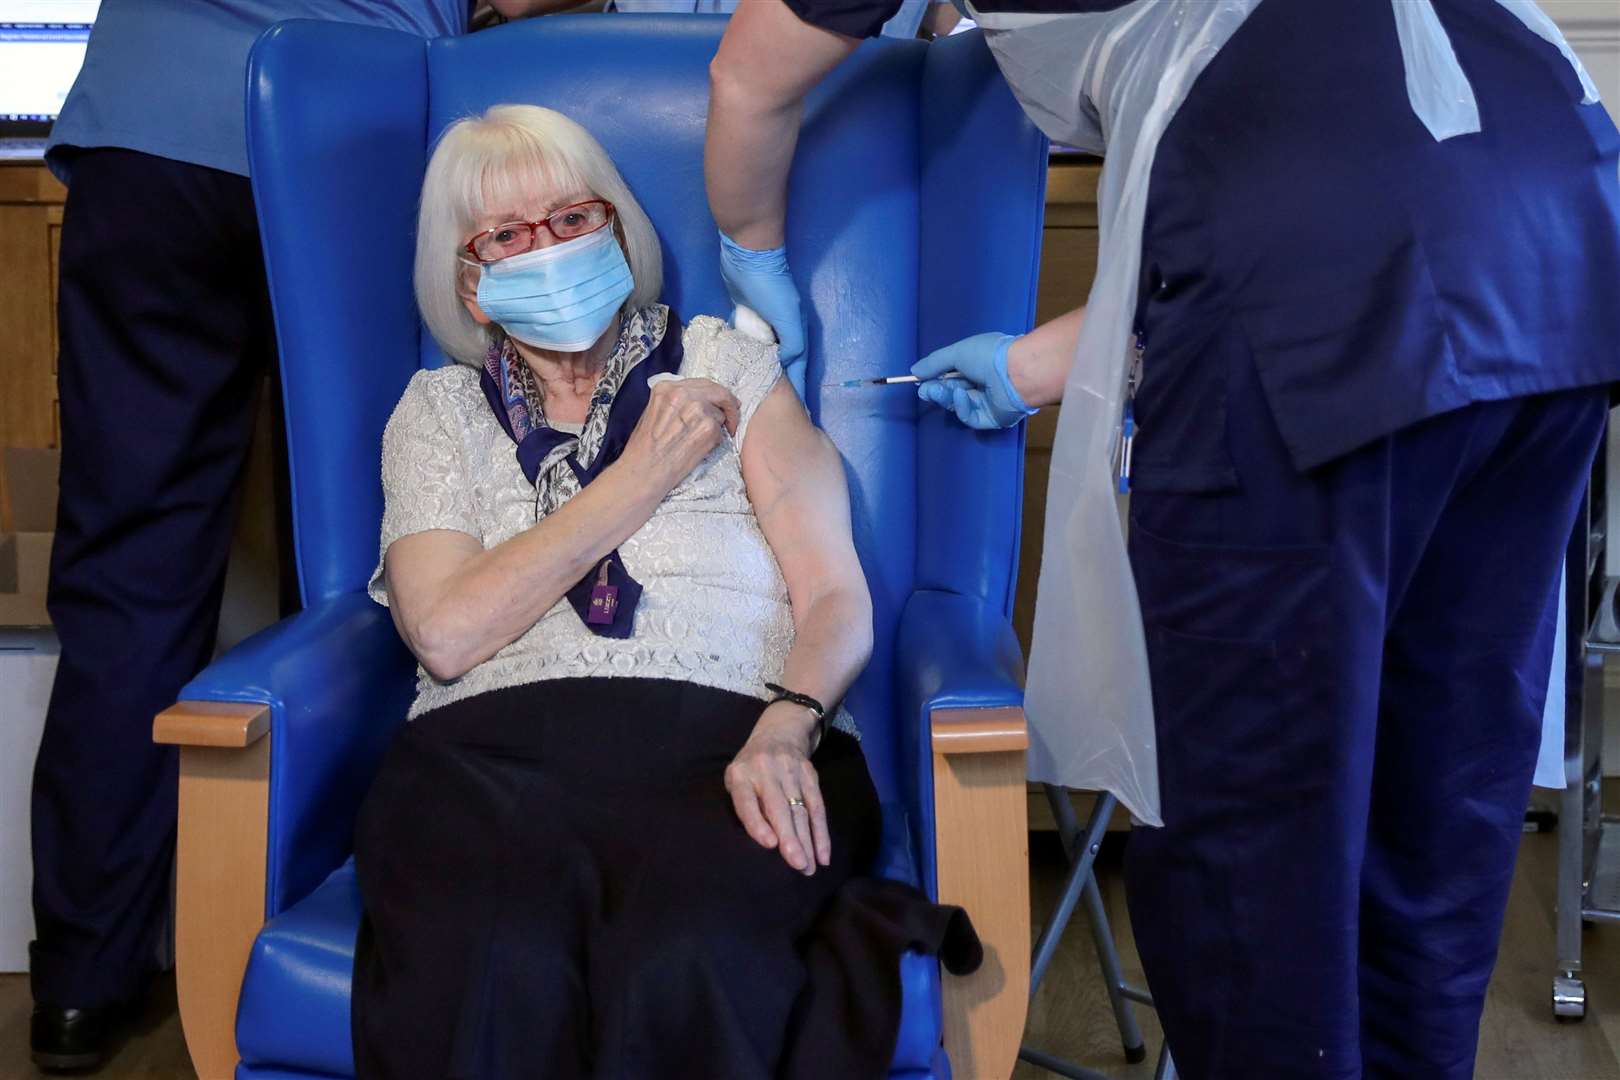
<point>1135,1055</point>
<point>1569,999</point>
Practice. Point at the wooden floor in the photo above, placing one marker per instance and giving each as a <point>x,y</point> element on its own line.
<point>154,1051</point>
<point>1519,1040</point>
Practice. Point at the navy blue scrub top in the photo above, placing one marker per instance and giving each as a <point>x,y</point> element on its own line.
<point>1301,219</point>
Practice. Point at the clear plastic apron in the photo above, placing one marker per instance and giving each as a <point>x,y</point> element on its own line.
<point>1112,81</point>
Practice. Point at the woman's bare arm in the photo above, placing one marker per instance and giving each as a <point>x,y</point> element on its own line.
<point>457,604</point>
<point>796,482</point>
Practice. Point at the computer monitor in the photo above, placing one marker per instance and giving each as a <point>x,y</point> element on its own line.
<point>42,45</point>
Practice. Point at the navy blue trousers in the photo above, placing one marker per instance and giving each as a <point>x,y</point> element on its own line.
<point>165,336</point>
<point>1349,667</point>
<point>544,903</point>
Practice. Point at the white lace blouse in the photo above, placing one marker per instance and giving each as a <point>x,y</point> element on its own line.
<point>714,609</point>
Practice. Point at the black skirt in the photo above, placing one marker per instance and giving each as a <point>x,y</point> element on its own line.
<point>556,885</point>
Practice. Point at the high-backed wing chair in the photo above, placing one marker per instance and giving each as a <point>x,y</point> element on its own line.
<point>915,219</point>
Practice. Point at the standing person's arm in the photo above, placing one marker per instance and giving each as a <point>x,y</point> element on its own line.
<point>773,53</point>
<point>768,61</point>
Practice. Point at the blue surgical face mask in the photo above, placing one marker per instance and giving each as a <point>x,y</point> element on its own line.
<point>562,297</point>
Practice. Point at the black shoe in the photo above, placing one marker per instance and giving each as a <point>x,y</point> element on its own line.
<point>74,1038</point>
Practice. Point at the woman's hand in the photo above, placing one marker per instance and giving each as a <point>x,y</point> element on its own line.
<point>684,420</point>
<point>775,790</point>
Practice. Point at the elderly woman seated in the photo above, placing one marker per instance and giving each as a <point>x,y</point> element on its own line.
<point>611,838</point>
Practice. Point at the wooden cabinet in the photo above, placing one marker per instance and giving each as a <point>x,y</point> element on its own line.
<point>1068,265</point>
<point>31,204</point>
<point>30,236</point>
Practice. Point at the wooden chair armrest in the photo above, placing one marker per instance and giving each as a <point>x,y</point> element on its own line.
<point>220,866</point>
<point>981,817</point>
<point>979,731</point>
<point>225,724</point>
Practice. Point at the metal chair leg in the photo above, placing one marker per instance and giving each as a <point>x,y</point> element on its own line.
<point>1102,934</point>
<point>1082,854</point>
<point>1167,1067</point>
<point>1081,845</point>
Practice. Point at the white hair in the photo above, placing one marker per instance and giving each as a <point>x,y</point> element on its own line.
<point>498,161</point>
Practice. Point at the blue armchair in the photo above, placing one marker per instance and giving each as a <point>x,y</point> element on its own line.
<point>915,219</point>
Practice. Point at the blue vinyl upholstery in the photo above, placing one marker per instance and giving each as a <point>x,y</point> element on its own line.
<point>340,121</point>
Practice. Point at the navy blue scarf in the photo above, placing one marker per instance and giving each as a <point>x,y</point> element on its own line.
<point>605,598</point>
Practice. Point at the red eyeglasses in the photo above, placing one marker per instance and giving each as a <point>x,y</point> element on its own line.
<point>517,237</point>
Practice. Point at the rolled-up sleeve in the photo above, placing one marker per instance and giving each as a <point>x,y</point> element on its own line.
<point>747,367</point>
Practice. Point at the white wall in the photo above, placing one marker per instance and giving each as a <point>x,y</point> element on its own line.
<point>1593,28</point>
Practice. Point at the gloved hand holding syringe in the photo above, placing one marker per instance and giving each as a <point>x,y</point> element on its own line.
<point>975,377</point>
<point>968,378</point>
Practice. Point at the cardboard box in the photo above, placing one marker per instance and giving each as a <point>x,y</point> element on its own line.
<point>27,668</point>
<point>31,485</point>
<point>25,555</point>
<point>25,561</point>
<point>20,612</point>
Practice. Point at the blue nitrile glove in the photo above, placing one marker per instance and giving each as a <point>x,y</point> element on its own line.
<point>984,397</point>
<point>760,280</point>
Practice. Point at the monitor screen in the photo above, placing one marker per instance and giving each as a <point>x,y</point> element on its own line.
<point>47,12</point>
<point>42,45</point>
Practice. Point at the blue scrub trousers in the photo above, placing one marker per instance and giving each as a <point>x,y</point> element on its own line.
<point>1349,666</point>
<point>166,337</point>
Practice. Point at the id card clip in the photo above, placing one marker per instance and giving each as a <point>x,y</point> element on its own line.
<point>604,597</point>
<point>1127,429</point>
